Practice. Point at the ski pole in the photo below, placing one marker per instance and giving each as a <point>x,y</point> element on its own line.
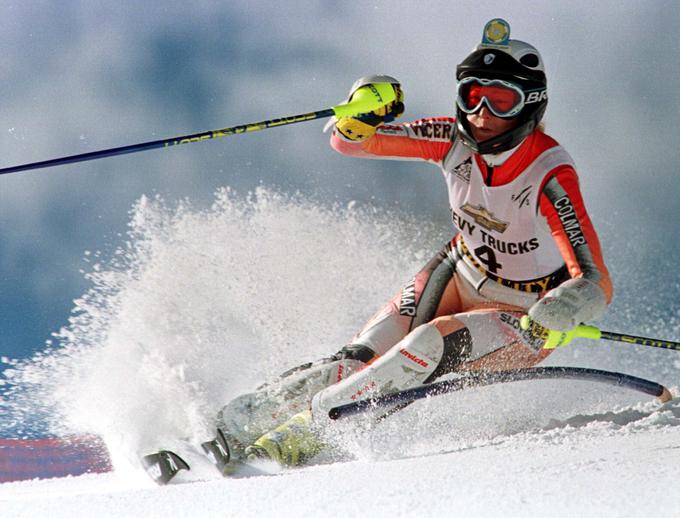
<point>364,100</point>
<point>483,379</point>
<point>560,338</point>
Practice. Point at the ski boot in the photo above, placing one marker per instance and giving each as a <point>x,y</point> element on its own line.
<point>291,444</point>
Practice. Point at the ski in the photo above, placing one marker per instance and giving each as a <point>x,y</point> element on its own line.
<point>164,465</point>
<point>228,464</point>
<point>218,449</point>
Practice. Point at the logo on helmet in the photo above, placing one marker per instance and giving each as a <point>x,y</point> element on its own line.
<point>488,58</point>
<point>537,96</point>
<point>496,33</point>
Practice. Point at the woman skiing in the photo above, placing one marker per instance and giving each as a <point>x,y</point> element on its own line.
<point>524,244</point>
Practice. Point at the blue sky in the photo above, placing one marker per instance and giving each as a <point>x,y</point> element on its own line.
<point>84,75</point>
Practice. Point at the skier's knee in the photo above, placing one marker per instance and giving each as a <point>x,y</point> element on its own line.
<point>421,350</point>
<point>445,341</point>
<point>447,325</point>
<point>456,349</point>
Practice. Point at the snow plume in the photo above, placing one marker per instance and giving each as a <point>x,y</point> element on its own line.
<point>200,305</point>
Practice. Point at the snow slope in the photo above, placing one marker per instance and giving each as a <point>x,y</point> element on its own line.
<point>199,305</point>
<point>595,468</point>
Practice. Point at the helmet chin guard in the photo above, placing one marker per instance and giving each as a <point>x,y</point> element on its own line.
<point>515,61</point>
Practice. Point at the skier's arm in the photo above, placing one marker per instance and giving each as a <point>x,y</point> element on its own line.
<point>368,135</point>
<point>586,295</point>
<point>425,139</point>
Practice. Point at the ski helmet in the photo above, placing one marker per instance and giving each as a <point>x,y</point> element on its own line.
<point>498,57</point>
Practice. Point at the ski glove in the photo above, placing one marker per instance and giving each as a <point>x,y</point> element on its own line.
<point>551,339</point>
<point>363,126</point>
<point>571,303</point>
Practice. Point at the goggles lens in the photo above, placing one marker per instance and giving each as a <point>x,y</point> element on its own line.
<point>503,99</point>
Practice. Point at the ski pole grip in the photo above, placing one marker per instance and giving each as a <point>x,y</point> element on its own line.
<point>366,99</point>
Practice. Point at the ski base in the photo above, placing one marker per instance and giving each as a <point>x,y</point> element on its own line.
<point>164,465</point>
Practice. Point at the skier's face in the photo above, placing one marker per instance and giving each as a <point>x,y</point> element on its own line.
<point>484,125</point>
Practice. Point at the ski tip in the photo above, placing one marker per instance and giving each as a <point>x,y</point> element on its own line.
<point>219,449</point>
<point>665,395</point>
<point>162,466</point>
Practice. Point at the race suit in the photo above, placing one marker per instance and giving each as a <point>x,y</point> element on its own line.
<point>522,229</point>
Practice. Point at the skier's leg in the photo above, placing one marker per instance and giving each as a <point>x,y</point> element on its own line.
<point>430,293</point>
<point>422,355</point>
<point>498,341</point>
<point>250,415</point>
<point>460,320</point>
<point>429,351</point>
<point>479,339</point>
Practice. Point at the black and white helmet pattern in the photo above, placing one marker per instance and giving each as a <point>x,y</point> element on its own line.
<point>517,62</point>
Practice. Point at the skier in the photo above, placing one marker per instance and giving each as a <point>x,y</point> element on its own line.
<point>524,244</point>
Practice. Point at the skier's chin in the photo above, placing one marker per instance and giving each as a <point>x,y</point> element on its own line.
<point>484,134</point>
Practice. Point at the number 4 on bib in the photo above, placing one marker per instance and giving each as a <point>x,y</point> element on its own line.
<point>486,256</point>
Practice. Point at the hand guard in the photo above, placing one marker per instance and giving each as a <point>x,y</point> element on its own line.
<point>571,303</point>
<point>363,126</point>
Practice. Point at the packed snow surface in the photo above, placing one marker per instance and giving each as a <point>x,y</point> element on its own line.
<point>199,305</point>
<point>594,468</point>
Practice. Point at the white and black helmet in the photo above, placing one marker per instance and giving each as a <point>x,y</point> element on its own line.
<point>509,60</point>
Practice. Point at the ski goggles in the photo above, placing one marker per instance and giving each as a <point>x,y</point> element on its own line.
<point>504,99</point>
